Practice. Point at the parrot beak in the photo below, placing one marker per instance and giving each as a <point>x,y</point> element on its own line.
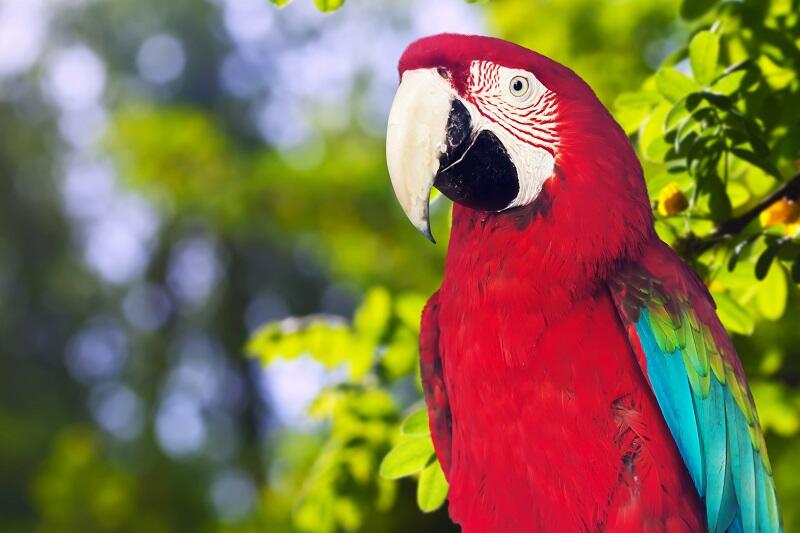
<point>433,141</point>
<point>416,141</point>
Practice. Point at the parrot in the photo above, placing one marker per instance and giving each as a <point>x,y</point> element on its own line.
<point>576,375</point>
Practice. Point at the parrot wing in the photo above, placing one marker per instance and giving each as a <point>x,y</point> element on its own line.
<point>700,386</point>
<point>432,373</point>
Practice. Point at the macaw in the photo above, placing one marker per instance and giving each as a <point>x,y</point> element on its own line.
<point>577,377</point>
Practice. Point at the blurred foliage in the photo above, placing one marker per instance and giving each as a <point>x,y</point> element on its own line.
<point>330,196</point>
<point>378,351</point>
<point>708,91</point>
<point>595,39</point>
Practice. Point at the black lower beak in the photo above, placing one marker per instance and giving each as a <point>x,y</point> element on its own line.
<point>476,170</point>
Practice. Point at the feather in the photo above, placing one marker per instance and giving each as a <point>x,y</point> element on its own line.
<point>742,464</point>
<point>720,498</point>
<point>668,378</point>
<point>700,387</point>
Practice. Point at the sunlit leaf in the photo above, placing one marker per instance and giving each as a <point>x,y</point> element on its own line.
<point>717,100</point>
<point>738,194</point>
<point>637,99</point>
<point>674,85</point>
<point>729,84</point>
<point>703,55</point>
<point>734,317</point>
<point>773,293</point>
<point>432,488</point>
<point>630,118</point>
<point>777,77</point>
<point>416,423</point>
<point>408,457</point>
<point>677,114</point>
<point>651,138</point>
<point>758,161</point>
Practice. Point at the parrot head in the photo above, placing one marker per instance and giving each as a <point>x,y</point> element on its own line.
<point>493,125</point>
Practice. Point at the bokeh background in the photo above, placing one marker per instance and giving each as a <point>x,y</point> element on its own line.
<point>174,176</point>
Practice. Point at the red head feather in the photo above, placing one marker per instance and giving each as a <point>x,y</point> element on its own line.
<point>592,213</point>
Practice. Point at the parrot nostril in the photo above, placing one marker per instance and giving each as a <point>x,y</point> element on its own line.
<point>443,73</point>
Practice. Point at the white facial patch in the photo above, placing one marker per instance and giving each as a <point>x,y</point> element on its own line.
<point>522,113</point>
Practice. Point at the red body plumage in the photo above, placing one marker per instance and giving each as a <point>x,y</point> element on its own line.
<point>540,413</point>
<point>551,415</point>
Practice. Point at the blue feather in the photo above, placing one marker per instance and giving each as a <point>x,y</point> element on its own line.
<point>720,498</point>
<point>762,488</point>
<point>716,449</point>
<point>667,375</point>
<point>742,463</point>
<point>736,525</point>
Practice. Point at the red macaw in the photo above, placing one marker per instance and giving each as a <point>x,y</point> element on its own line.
<point>576,375</point>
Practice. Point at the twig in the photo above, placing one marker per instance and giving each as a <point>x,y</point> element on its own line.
<point>790,190</point>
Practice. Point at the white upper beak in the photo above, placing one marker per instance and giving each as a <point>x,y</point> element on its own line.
<point>415,139</point>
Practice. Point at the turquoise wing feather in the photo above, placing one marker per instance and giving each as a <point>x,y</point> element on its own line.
<point>700,386</point>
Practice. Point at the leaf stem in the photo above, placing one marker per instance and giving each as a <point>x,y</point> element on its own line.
<point>790,190</point>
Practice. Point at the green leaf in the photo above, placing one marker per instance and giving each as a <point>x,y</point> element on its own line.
<point>796,270</point>
<point>651,136</point>
<point>685,137</point>
<point>737,251</point>
<point>734,317</point>
<point>703,56</point>
<point>408,457</point>
<point>773,293</point>
<point>630,109</point>
<point>280,3</point>
<point>757,161</point>
<point>674,85</point>
<point>729,84</point>
<point>738,194</point>
<point>327,6</point>
<point>416,423</point>
<point>765,261</point>
<point>637,99</point>
<point>676,115</point>
<point>432,488</point>
<point>717,100</point>
<point>692,9</point>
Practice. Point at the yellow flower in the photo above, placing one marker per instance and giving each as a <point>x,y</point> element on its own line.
<point>716,286</point>
<point>783,211</point>
<point>671,200</point>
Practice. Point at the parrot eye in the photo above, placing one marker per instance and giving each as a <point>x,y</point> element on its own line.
<point>519,86</point>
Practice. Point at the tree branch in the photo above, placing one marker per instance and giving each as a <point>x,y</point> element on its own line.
<point>790,190</point>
